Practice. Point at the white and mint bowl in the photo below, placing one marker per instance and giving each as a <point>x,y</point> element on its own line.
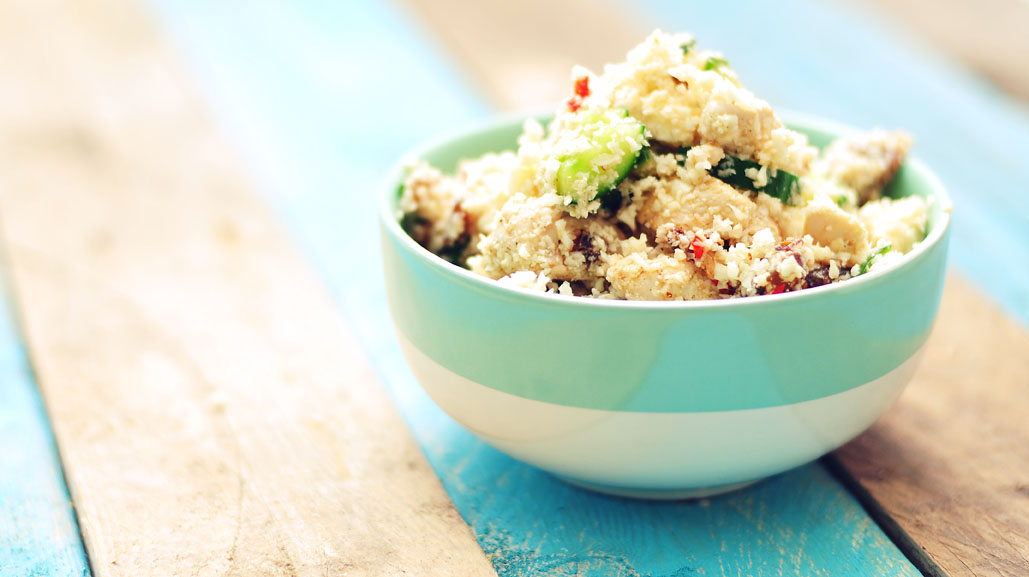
<point>660,399</point>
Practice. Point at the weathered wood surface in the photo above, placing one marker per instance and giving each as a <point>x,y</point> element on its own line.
<point>527,49</point>
<point>214,414</point>
<point>530,524</point>
<point>987,35</point>
<point>490,489</point>
<point>950,462</point>
<point>38,533</point>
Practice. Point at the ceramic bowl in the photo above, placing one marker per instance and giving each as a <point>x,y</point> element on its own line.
<point>661,399</point>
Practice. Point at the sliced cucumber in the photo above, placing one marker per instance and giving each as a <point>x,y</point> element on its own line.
<point>733,171</point>
<point>781,184</point>
<point>616,141</point>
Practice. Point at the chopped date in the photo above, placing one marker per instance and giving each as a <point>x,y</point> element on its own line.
<point>584,243</point>
<point>817,277</point>
<point>625,229</point>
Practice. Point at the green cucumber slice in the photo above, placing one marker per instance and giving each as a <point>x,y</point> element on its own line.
<point>733,171</point>
<point>615,142</point>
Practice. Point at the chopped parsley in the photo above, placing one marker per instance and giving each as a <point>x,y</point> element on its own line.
<point>868,261</point>
<point>715,63</point>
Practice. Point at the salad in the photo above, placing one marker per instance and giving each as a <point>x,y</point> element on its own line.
<point>664,178</point>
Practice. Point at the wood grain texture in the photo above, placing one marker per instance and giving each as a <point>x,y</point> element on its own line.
<point>950,462</point>
<point>215,415</point>
<point>39,536</point>
<point>529,523</point>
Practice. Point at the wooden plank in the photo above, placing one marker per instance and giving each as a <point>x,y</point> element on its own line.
<point>950,462</point>
<point>528,60</point>
<point>38,533</point>
<point>984,34</point>
<point>453,454</point>
<point>214,413</point>
<point>564,531</point>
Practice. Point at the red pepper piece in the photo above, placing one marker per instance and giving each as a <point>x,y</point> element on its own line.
<point>582,86</point>
<point>779,289</point>
<point>697,246</point>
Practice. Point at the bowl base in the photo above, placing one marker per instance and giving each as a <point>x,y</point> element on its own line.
<point>658,494</point>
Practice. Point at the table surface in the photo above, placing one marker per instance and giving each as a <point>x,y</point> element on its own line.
<point>196,346</point>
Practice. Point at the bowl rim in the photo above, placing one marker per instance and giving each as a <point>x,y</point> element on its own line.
<point>389,223</point>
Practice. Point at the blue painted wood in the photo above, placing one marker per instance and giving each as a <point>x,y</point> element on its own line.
<point>38,533</point>
<point>321,98</point>
<point>832,60</point>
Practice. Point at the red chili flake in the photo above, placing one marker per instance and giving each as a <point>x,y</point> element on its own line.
<point>779,289</point>
<point>698,246</point>
<point>574,103</point>
<point>582,86</point>
<point>668,295</point>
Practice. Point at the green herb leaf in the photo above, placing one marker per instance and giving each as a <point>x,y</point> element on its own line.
<point>687,46</point>
<point>715,63</point>
<point>868,261</point>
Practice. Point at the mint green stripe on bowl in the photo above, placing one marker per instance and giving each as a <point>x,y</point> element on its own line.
<point>662,357</point>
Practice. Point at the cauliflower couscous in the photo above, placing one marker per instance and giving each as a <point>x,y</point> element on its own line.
<point>663,178</point>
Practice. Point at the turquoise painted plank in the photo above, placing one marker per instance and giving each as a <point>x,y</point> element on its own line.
<point>39,536</point>
<point>321,98</point>
<point>831,59</point>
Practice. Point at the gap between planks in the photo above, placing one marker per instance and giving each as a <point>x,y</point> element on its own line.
<point>214,414</point>
<point>949,464</point>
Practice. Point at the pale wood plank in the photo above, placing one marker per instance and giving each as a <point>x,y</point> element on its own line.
<point>214,412</point>
<point>950,462</point>
<point>987,35</point>
<point>38,533</point>
<point>522,52</point>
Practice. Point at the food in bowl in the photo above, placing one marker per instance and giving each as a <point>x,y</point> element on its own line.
<point>663,178</point>
<point>657,399</point>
